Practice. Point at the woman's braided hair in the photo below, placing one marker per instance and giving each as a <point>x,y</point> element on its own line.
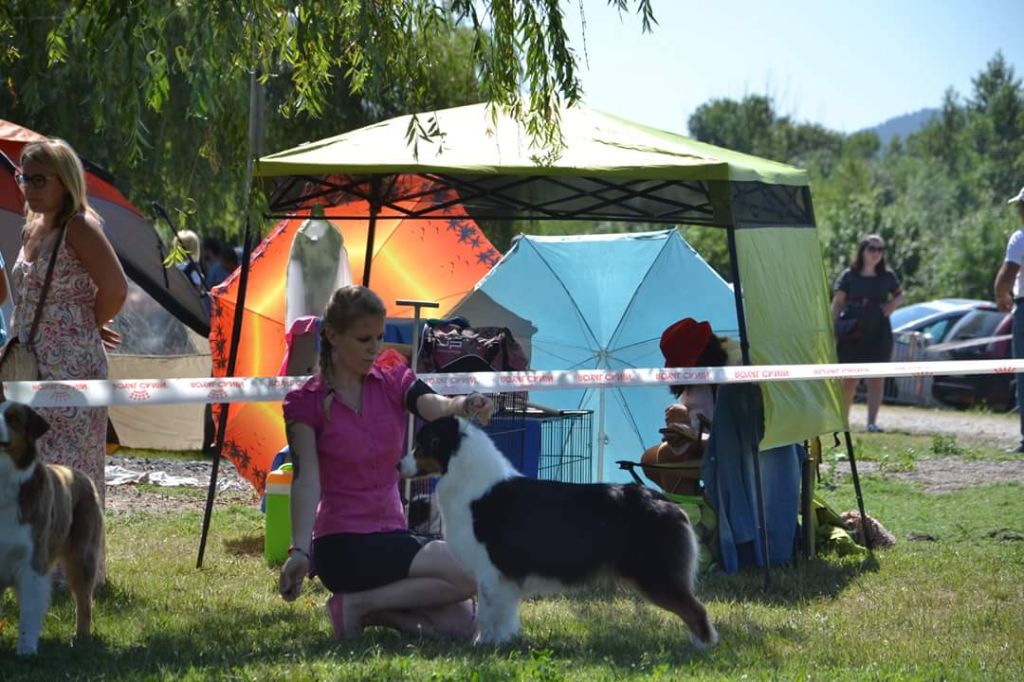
<point>347,304</point>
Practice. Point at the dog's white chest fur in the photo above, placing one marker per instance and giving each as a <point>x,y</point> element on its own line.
<point>15,545</point>
<point>464,482</point>
<point>15,536</point>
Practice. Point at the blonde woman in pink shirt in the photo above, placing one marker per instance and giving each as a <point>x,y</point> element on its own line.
<point>346,431</point>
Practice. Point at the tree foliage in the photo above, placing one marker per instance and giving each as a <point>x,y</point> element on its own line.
<point>938,197</point>
<point>158,92</point>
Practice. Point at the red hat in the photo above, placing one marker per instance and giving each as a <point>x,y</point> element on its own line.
<point>684,341</point>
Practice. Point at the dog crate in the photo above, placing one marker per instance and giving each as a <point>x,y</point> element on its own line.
<point>507,428</point>
<point>539,443</point>
<point>566,444</point>
<point>422,512</point>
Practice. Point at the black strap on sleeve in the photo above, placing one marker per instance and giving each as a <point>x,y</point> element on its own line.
<point>413,394</point>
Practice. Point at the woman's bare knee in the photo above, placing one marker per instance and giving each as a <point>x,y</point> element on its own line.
<point>436,560</point>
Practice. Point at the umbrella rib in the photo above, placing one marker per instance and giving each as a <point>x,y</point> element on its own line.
<point>586,323</point>
<point>629,413</point>
<point>636,291</point>
<point>557,356</point>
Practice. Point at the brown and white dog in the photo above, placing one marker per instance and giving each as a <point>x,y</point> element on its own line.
<point>47,513</point>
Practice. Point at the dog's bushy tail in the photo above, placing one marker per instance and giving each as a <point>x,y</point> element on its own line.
<point>692,554</point>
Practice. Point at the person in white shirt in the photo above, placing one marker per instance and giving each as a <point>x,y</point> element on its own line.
<point>1009,291</point>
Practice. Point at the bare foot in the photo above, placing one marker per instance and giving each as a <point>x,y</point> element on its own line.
<point>342,616</point>
<point>351,625</point>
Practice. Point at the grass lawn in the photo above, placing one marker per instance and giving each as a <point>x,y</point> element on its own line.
<point>947,607</point>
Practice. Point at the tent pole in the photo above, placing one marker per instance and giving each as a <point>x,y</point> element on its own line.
<point>255,139</point>
<point>737,290</point>
<point>236,334</point>
<point>856,489</point>
<point>375,202</point>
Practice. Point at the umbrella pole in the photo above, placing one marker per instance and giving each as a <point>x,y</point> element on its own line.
<point>375,201</point>
<point>600,437</point>
<point>737,288</point>
<point>236,334</point>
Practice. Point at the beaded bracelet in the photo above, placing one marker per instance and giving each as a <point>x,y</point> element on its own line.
<point>298,549</point>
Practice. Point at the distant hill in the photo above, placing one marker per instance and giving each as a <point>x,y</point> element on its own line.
<point>904,125</point>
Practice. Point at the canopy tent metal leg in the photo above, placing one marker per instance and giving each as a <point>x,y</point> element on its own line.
<point>236,333</point>
<point>255,141</point>
<point>856,489</point>
<point>741,321</point>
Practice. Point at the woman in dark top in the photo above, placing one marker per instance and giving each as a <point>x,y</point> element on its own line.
<point>866,293</point>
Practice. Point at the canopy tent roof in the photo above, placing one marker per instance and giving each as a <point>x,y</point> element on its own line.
<point>608,169</point>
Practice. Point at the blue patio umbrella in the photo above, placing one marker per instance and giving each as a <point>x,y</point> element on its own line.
<point>602,302</point>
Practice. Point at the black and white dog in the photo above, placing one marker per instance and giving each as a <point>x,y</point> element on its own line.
<point>519,536</point>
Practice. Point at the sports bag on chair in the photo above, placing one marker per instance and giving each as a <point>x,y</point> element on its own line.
<point>18,361</point>
<point>454,346</point>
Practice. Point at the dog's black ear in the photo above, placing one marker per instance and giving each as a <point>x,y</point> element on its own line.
<point>449,435</point>
<point>439,438</point>
<point>35,424</point>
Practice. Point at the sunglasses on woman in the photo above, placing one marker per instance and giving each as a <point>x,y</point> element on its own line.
<point>875,249</point>
<point>37,180</point>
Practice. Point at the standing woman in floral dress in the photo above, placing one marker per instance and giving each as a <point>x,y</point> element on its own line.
<point>87,290</point>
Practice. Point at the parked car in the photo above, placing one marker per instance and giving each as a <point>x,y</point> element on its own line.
<point>926,316</point>
<point>997,391</point>
<point>918,326</point>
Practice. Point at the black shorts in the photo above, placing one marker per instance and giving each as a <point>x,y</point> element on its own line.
<point>353,562</point>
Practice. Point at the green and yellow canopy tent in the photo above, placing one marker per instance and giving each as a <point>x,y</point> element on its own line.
<point>608,169</point>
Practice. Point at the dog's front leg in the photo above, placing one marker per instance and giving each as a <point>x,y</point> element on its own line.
<point>33,600</point>
<point>498,611</point>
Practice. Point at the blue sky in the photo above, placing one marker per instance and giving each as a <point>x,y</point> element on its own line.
<point>846,65</point>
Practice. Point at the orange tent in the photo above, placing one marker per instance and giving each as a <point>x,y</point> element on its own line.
<point>437,259</point>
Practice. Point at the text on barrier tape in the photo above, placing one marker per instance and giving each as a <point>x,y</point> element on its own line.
<point>102,393</point>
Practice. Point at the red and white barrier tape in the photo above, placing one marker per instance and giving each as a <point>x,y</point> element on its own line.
<point>99,393</point>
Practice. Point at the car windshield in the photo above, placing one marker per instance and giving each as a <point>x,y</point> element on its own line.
<point>910,313</point>
<point>977,324</point>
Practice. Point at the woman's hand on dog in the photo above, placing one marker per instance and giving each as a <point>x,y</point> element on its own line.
<point>293,573</point>
<point>477,406</point>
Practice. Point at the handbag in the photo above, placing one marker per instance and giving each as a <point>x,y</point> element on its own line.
<point>847,329</point>
<point>18,361</point>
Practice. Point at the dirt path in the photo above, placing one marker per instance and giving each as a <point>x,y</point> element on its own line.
<point>128,498</point>
<point>948,473</point>
<point>993,430</point>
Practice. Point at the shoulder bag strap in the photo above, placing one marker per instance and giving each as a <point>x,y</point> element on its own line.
<point>46,285</point>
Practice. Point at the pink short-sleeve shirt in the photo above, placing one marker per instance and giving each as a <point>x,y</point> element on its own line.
<point>358,453</point>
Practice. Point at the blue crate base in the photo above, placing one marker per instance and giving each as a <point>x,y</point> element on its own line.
<point>550,446</point>
<point>519,440</point>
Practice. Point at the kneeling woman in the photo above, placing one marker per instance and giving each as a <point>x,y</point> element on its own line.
<point>346,429</point>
